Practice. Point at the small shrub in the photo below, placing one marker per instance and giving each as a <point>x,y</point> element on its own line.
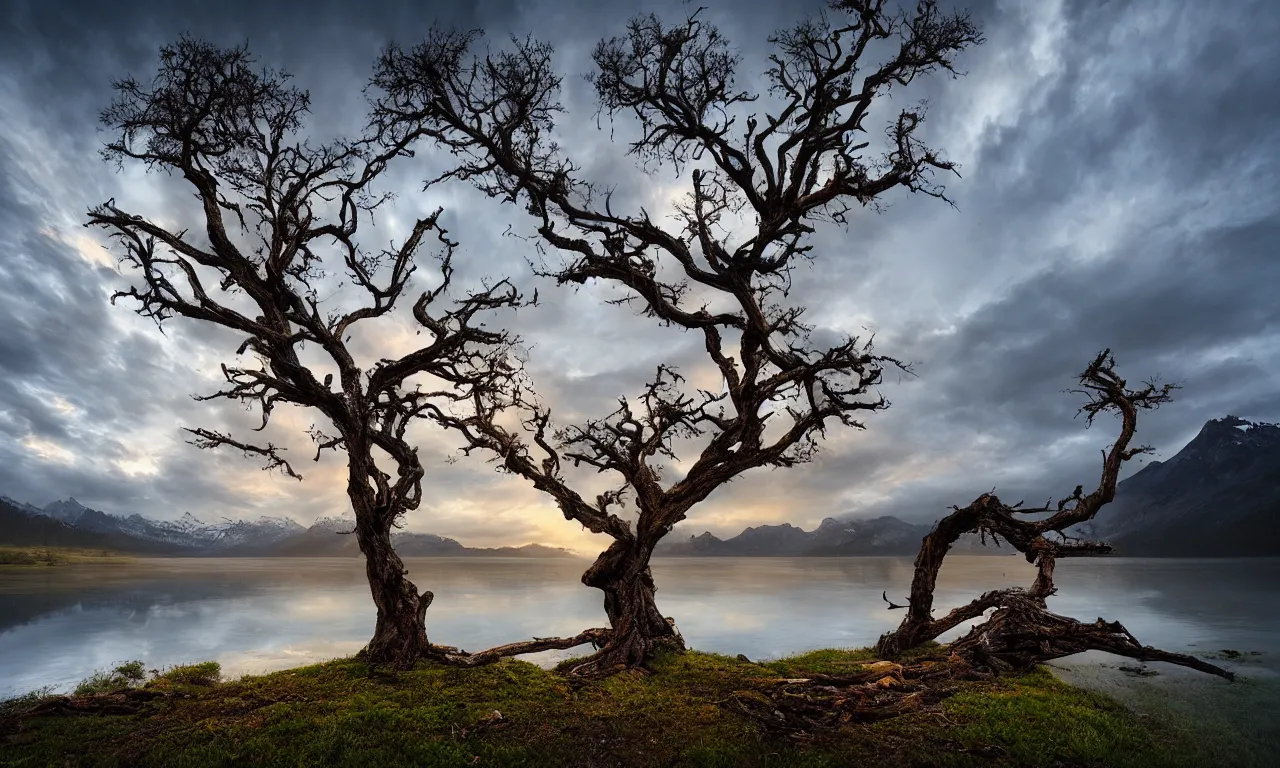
<point>133,671</point>
<point>126,675</point>
<point>205,673</point>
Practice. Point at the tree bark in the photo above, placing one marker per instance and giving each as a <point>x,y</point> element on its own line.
<point>637,627</point>
<point>400,634</point>
<point>918,626</point>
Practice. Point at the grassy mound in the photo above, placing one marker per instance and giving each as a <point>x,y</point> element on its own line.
<point>342,713</point>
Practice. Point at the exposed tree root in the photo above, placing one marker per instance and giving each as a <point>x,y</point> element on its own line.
<point>1023,634</point>
<point>1015,640</point>
<point>631,650</point>
<point>803,707</point>
<point>614,651</point>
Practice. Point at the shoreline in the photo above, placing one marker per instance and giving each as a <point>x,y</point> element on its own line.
<point>686,712</point>
<point>19,557</point>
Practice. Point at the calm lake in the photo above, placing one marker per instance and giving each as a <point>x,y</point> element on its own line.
<point>57,625</point>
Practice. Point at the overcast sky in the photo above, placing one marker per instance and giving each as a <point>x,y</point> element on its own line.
<point>1121,175</point>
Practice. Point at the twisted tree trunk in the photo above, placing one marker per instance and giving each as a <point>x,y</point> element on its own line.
<point>918,626</point>
<point>400,634</point>
<point>637,627</point>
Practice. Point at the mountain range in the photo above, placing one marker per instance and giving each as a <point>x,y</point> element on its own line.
<point>70,524</point>
<point>1218,496</point>
<point>832,538</point>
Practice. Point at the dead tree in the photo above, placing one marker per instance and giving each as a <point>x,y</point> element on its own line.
<point>273,205</point>
<point>777,173</point>
<point>1022,632</point>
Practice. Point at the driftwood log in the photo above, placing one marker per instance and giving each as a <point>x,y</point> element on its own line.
<point>596,637</point>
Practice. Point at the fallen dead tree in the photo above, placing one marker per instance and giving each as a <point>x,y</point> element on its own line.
<point>1022,632</point>
<point>596,637</point>
<point>1018,635</point>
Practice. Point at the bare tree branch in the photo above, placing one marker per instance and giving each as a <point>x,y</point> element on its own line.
<point>206,438</point>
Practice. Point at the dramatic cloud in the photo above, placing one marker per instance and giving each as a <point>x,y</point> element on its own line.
<point>1121,177</point>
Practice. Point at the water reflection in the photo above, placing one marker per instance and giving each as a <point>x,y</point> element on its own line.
<point>58,625</point>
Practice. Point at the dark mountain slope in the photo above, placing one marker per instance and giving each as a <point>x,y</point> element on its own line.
<point>1219,496</point>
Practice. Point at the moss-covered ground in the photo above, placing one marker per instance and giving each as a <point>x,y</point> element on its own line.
<point>342,713</point>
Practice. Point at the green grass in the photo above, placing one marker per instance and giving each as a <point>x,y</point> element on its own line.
<point>53,556</point>
<point>204,674</point>
<point>342,713</point>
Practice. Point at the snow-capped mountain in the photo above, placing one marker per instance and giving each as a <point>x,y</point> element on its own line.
<point>341,524</point>
<point>68,511</point>
<point>262,532</point>
<point>21,506</point>
<point>186,533</point>
<point>70,523</point>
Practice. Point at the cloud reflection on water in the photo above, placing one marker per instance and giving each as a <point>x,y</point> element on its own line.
<point>259,615</point>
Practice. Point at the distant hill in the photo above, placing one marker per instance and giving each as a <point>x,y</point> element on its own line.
<point>19,528</point>
<point>832,538</point>
<point>68,523</point>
